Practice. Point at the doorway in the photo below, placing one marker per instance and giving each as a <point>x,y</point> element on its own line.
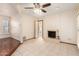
<point>78,31</point>
<point>39,29</point>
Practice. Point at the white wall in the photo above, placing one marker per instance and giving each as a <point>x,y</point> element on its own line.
<point>15,29</point>
<point>64,22</point>
<point>27,26</point>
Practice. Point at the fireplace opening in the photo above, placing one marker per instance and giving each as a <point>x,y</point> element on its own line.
<point>52,34</point>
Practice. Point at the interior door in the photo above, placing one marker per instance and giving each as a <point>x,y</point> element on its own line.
<point>39,29</point>
<point>36,29</point>
<point>78,31</point>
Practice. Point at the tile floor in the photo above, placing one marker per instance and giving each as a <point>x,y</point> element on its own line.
<point>50,47</point>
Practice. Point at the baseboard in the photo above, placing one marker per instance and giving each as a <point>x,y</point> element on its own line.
<point>28,39</point>
<point>68,43</point>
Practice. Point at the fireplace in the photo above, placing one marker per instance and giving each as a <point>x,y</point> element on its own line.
<point>52,34</point>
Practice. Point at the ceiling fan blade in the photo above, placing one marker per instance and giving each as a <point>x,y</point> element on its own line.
<point>46,5</point>
<point>28,7</point>
<point>43,10</point>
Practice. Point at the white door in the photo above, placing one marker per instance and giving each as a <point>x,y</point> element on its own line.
<point>39,29</point>
<point>78,31</point>
<point>36,29</point>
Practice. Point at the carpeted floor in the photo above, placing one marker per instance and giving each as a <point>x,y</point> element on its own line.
<point>49,47</point>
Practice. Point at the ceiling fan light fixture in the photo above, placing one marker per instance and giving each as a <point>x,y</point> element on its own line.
<point>37,11</point>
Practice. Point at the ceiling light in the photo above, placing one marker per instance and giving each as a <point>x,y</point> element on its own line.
<point>37,11</point>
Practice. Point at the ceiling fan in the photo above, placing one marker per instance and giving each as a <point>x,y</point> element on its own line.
<point>40,7</point>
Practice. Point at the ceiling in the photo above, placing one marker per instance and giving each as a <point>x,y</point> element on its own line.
<point>53,9</point>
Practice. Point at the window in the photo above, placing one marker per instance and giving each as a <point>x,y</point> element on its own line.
<point>4,24</point>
